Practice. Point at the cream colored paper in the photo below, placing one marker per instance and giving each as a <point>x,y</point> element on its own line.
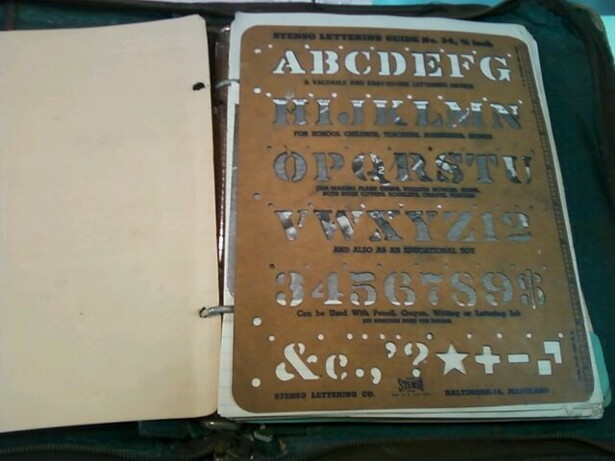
<point>107,225</point>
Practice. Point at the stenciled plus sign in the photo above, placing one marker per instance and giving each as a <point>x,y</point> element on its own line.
<point>487,359</point>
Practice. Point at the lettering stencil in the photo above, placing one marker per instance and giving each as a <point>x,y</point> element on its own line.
<point>401,240</point>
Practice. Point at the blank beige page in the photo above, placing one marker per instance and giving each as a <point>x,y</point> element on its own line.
<point>107,225</point>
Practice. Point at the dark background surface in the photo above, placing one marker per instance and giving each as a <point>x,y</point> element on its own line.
<point>579,80</point>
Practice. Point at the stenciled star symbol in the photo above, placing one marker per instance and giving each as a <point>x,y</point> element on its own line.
<point>453,360</point>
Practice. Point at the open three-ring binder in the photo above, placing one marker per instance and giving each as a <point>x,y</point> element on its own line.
<point>109,299</point>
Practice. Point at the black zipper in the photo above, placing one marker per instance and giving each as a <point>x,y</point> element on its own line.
<point>604,447</point>
<point>118,453</point>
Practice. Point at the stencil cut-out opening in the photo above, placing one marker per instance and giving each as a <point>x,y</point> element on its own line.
<point>257,321</point>
<point>271,338</point>
<point>256,196</point>
<point>349,336</point>
<point>488,359</point>
<point>391,349</point>
<point>544,367</point>
<point>256,382</point>
<point>320,337</point>
<point>376,375</point>
<point>257,90</point>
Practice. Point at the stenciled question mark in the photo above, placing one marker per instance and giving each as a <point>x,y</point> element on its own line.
<point>420,357</point>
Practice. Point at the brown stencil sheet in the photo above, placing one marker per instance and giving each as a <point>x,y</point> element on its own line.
<point>469,301</point>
